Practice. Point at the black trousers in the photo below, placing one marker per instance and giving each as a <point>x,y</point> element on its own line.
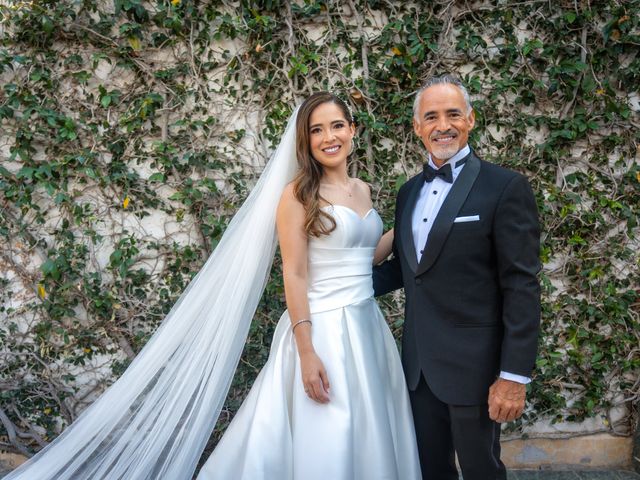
<point>443,430</point>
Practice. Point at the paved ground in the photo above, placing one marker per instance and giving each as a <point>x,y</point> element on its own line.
<point>544,475</point>
<point>572,475</point>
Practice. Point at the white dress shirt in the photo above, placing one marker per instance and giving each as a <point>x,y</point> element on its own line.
<point>431,197</point>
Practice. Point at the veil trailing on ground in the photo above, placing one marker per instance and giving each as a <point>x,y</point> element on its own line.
<point>154,422</point>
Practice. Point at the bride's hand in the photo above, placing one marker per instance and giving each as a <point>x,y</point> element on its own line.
<point>314,377</point>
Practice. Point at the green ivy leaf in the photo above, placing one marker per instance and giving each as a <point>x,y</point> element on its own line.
<point>531,45</point>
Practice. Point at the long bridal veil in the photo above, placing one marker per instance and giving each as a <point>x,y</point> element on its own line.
<point>154,422</point>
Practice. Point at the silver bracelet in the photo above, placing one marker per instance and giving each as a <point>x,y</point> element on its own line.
<point>304,320</point>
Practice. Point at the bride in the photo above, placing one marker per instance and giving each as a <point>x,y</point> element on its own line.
<point>331,401</point>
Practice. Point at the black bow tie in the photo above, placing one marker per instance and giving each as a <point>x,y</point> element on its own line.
<point>444,172</point>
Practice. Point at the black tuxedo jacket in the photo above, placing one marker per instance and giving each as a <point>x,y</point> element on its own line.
<point>473,302</point>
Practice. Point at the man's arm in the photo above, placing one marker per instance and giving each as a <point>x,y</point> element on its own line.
<point>517,240</point>
<point>387,276</point>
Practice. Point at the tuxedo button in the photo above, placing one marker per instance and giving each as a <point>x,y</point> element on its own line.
<point>435,192</point>
<point>424,219</point>
<point>418,281</point>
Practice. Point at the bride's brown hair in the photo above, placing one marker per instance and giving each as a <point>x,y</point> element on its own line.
<point>306,184</point>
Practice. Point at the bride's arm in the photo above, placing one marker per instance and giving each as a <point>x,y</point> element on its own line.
<point>293,240</point>
<point>383,250</point>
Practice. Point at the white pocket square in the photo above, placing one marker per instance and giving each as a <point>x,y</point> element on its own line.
<point>471,218</point>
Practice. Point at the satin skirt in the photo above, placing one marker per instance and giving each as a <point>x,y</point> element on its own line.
<point>366,430</point>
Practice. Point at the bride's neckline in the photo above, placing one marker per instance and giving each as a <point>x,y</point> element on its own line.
<point>362,217</point>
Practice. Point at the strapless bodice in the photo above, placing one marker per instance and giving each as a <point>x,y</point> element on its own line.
<point>339,264</point>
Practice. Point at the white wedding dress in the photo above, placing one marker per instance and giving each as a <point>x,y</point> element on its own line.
<point>366,431</point>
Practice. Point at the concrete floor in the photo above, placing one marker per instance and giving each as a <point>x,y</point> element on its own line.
<point>546,475</point>
<point>572,475</point>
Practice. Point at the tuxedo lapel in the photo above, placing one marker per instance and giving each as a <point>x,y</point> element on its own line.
<point>406,227</point>
<point>447,214</point>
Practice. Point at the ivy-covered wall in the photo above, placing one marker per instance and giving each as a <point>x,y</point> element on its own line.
<point>132,130</point>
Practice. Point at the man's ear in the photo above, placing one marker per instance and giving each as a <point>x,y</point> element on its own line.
<point>472,119</point>
<point>416,126</point>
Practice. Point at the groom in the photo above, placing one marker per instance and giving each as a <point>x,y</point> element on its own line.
<point>466,252</point>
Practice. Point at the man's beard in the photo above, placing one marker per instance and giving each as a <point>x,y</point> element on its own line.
<point>445,153</point>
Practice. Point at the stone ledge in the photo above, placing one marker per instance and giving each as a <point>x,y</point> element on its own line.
<point>599,451</point>
<point>9,461</point>
<point>590,452</point>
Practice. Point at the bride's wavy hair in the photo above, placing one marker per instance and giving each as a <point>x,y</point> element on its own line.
<point>306,184</point>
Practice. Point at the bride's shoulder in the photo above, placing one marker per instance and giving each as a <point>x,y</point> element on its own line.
<point>289,191</point>
<point>288,198</point>
<point>361,184</point>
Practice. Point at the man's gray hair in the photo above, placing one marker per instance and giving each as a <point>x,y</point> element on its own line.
<point>447,79</point>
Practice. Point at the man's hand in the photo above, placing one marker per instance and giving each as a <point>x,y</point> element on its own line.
<point>506,400</point>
